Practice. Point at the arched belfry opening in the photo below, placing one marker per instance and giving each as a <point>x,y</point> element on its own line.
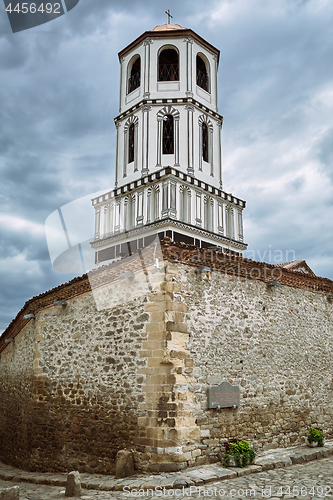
<point>168,135</point>
<point>168,65</point>
<point>205,142</point>
<point>131,139</point>
<point>134,74</point>
<point>202,73</point>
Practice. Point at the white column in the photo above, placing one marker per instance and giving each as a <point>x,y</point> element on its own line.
<point>145,139</point>
<point>145,82</point>
<point>157,203</point>
<point>211,151</point>
<point>190,110</point>
<point>159,142</point>
<point>189,211</point>
<point>176,121</point>
<point>215,82</point>
<point>219,124</point>
<point>240,225</point>
<point>198,219</point>
<point>220,218</point>
<point>117,152</point>
<point>122,82</point>
<point>126,213</point>
<point>227,221</point>
<point>149,197</point>
<point>112,218</point>
<point>139,217</point>
<point>136,146</point>
<point>125,152</point>
<point>189,42</point>
<point>106,219</point>
<point>200,146</point>
<point>232,223</point>
<point>117,217</point>
<point>97,223</point>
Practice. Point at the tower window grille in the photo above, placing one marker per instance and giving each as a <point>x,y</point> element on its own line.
<point>205,144</point>
<point>168,66</point>
<point>134,79</point>
<point>131,143</point>
<point>168,135</point>
<point>202,74</point>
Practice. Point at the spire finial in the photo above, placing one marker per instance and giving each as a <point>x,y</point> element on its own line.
<point>169,15</point>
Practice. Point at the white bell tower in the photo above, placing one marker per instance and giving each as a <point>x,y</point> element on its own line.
<point>168,159</point>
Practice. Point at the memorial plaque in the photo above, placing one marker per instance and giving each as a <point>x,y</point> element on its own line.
<point>223,395</point>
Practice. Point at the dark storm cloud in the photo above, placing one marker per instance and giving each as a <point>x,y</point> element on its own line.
<point>59,94</point>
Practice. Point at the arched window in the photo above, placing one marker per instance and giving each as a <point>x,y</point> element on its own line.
<point>205,145</point>
<point>131,143</point>
<point>168,65</point>
<point>134,75</point>
<point>168,135</point>
<point>202,74</point>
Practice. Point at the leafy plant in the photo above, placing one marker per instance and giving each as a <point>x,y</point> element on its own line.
<point>316,435</point>
<point>241,450</point>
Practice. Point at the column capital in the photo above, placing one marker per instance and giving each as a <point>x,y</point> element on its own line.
<point>188,39</point>
<point>148,41</point>
<point>189,107</point>
<point>145,108</point>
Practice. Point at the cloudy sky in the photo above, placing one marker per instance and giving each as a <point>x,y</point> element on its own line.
<point>59,95</point>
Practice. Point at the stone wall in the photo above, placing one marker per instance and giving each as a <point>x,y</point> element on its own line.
<point>79,405</point>
<point>16,399</point>
<point>276,343</point>
<point>127,364</point>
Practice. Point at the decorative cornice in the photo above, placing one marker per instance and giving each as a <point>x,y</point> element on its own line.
<point>167,222</point>
<point>167,171</point>
<point>178,101</point>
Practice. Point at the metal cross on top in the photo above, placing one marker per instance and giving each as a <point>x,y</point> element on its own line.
<point>169,15</point>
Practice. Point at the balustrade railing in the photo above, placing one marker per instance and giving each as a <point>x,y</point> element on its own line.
<point>203,80</point>
<point>133,82</point>
<point>168,72</point>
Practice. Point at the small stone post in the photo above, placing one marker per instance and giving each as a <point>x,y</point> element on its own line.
<point>73,485</point>
<point>12,493</point>
<point>124,464</point>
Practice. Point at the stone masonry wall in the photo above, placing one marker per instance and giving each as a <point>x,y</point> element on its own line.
<point>16,399</point>
<point>128,361</point>
<point>88,388</point>
<point>275,343</point>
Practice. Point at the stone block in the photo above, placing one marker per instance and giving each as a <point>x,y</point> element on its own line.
<point>73,485</point>
<point>12,493</point>
<point>124,464</point>
<point>298,458</point>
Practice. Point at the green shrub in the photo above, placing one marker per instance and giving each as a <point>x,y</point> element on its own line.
<point>316,435</point>
<point>242,452</point>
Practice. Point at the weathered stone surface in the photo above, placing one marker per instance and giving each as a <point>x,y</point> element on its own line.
<point>124,464</point>
<point>73,485</point>
<point>12,493</point>
<point>136,379</point>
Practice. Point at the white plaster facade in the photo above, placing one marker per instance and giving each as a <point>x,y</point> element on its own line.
<point>181,190</point>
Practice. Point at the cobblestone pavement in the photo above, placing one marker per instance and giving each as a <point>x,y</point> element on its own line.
<point>309,481</point>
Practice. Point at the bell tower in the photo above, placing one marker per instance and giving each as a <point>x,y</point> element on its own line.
<point>168,151</point>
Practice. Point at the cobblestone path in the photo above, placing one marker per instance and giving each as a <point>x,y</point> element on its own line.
<point>309,481</point>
